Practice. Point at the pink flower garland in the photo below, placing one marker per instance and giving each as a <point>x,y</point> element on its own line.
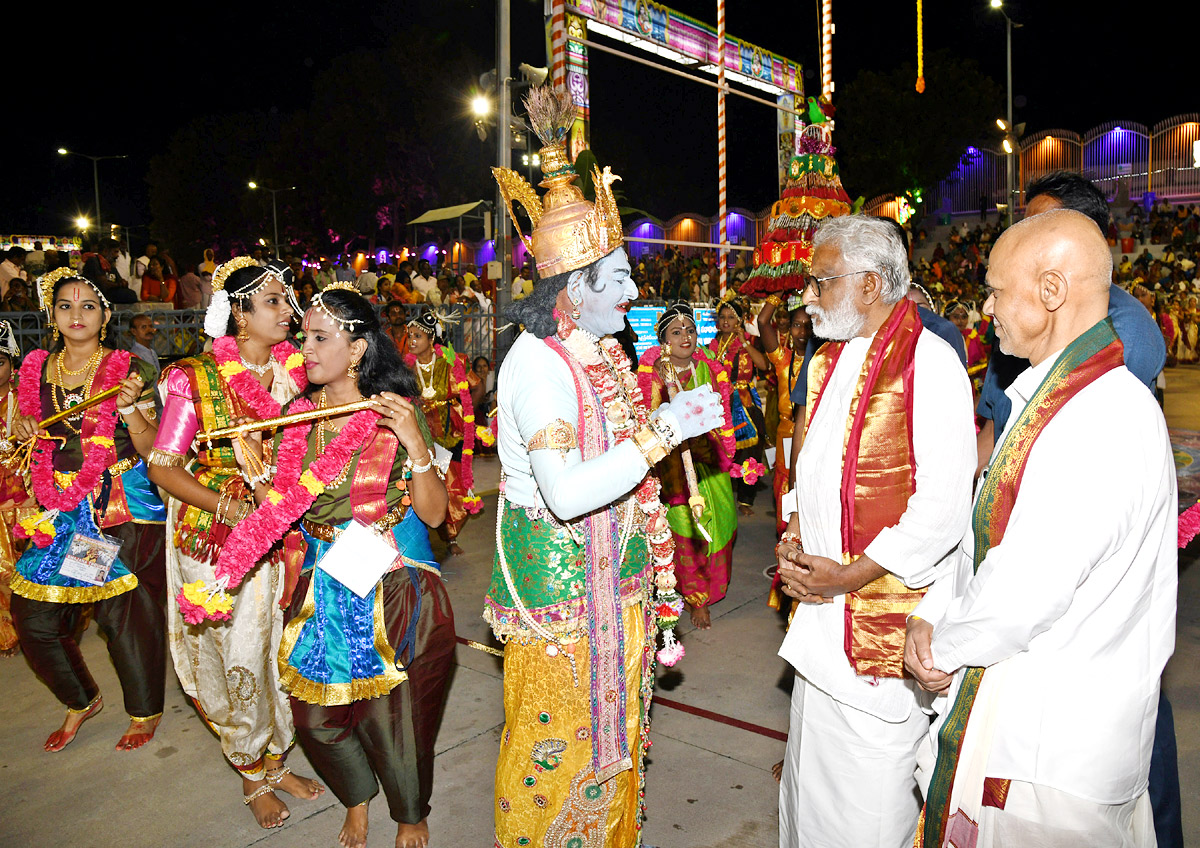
<point>1189,525</point>
<point>292,493</point>
<point>646,366</point>
<point>229,364</point>
<point>96,435</point>
<point>458,381</point>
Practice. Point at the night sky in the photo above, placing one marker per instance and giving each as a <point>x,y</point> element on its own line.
<point>1076,65</point>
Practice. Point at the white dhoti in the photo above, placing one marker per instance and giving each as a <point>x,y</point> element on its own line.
<point>1037,816</point>
<point>230,668</point>
<point>848,777</point>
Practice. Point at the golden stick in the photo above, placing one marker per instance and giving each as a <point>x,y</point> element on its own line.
<point>16,456</point>
<point>696,502</point>
<point>284,420</point>
<point>71,412</point>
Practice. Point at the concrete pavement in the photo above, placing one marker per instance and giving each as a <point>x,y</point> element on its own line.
<point>708,782</point>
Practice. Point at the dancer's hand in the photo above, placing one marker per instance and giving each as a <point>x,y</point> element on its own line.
<point>400,416</point>
<point>694,412</point>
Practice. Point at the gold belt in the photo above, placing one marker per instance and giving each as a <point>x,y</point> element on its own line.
<point>328,533</point>
<point>741,384</point>
<point>66,478</point>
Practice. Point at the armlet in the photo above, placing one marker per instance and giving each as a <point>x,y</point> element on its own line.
<point>557,435</point>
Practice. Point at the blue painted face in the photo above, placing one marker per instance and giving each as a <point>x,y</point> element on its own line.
<point>602,310</point>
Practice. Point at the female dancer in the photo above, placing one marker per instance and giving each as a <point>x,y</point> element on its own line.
<point>705,529</point>
<point>13,494</point>
<point>229,670</point>
<point>449,392</point>
<point>734,351</point>
<point>100,538</point>
<point>367,674</point>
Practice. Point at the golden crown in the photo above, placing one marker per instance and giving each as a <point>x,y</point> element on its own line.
<point>568,231</point>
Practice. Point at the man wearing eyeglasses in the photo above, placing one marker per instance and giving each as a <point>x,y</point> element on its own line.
<point>882,493</point>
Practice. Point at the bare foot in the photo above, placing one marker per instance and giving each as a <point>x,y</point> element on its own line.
<point>454,549</point>
<point>304,788</point>
<point>777,771</point>
<point>62,737</point>
<point>354,829</point>
<point>268,810</point>
<point>412,835</point>
<point>11,652</point>
<point>745,509</point>
<point>141,731</point>
<point>701,619</point>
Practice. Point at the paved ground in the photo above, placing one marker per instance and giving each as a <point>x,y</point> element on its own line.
<point>709,781</point>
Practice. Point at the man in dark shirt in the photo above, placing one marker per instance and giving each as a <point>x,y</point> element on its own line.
<point>102,271</point>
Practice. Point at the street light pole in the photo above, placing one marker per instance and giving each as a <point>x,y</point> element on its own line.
<point>62,151</point>
<point>274,209</point>
<point>503,145</point>
<point>1008,24</point>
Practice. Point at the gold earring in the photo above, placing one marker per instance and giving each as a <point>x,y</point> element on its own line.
<point>352,371</point>
<point>242,334</point>
<point>53,334</point>
<point>103,332</point>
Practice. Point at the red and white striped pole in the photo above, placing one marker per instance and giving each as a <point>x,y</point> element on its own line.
<point>723,251</point>
<point>558,43</point>
<point>827,48</point>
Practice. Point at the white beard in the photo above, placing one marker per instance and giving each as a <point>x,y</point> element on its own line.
<point>840,322</point>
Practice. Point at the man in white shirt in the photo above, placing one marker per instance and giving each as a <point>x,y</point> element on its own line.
<point>143,263</point>
<point>883,488</point>
<point>11,268</point>
<point>423,282</point>
<point>1052,628</point>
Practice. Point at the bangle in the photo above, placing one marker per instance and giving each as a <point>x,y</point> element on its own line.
<point>788,538</point>
<point>420,469</point>
<point>127,410</point>
<point>666,432</point>
<point>137,432</point>
<point>650,444</point>
<point>774,300</point>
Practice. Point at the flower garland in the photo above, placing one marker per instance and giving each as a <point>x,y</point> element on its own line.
<point>96,436</point>
<point>39,527</point>
<point>646,366</point>
<point>292,493</point>
<point>230,365</point>
<point>625,411</point>
<point>458,382</point>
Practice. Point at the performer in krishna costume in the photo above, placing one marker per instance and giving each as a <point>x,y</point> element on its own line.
<point>366,663</point>
<point>99,537</point>
<point>228,669</point>
<point>583,577</point>
<point>449,389</point>
<point>695,476</point>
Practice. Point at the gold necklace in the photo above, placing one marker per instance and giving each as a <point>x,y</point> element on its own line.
<point>71,399</point>
<point>91,363</point>
<point>427,387</point>
<point>323,425</point>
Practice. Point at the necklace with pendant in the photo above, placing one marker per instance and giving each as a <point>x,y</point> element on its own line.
<point>427,389</point>
<point>257,369</point>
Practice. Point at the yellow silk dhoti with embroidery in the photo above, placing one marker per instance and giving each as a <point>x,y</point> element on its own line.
<point>546,794</point>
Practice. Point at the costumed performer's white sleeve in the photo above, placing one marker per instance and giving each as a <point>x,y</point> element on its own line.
<point>569,486</point>
<point>1067,518</point>
<point>945,451</point>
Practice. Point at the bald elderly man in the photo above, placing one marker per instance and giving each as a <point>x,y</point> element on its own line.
<point>1046,641</point>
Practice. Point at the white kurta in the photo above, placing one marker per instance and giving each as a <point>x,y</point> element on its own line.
<point>1076,605</point>
<point>837,716</point>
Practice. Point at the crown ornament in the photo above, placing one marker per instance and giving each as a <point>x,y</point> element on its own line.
<point>568,232</point>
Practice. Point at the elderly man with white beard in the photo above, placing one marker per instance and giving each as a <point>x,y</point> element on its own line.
<point>883,490</point>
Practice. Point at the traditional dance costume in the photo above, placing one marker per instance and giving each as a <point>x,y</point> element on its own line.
<point>229,670</point>
<point>92,484</point>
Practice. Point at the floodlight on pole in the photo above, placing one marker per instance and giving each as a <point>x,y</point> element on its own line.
<point>82,223</point>
<point>996,4</point>
<point>1008,148</point>
<point>481,107</point>
<point>62,151</point>
<point>1002,124</point>
<point>274,209</point>
<point>1008,124</point>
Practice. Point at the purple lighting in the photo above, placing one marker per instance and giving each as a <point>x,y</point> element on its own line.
<point>1116,129</point>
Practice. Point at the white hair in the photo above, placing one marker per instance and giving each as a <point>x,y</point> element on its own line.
<point>868,243</point>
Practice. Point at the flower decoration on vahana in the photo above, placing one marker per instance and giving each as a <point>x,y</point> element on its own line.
<point>293,491</point>
<point>39,528</point>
